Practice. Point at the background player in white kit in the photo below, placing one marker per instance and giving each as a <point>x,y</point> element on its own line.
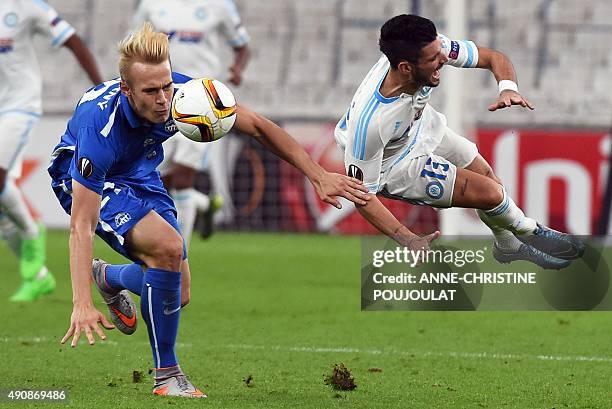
<point>195,29</point>
<point>20,109</point>
<point>401,148</point>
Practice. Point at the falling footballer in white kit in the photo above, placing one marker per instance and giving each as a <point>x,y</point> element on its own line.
<point>401,147</point>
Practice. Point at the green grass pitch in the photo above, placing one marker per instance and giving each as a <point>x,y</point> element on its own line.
<point>283,309</point>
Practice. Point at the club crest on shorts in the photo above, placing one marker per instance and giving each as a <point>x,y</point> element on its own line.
<point>85,167</point>
<point>434,190</point>
<point>355,172</point>
<point>122,218</point>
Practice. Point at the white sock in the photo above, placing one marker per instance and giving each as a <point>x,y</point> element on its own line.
<point>186,211</point>
<point>508,216</point>
<point>504,239</point>
<point>14,206</point>
<point>202,201</point>
<point>10,234</point>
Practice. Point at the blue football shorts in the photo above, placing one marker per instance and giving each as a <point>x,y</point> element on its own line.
<point>122,207</point>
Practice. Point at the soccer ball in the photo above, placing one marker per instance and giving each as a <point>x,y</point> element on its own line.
<point>204,110</point>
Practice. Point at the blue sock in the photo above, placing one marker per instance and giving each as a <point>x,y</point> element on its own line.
<point>125,276</point>
<point>160,305</point>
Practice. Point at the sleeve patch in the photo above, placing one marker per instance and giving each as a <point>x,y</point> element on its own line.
<point>454,50</point>
<point>355,172</point>
<point>85,167</point>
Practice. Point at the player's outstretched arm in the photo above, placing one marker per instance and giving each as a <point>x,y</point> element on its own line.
<point>328,185</point>
<point>84,57</point>
<point>83,220</point>
<point>381,218</point>
<point>502,69</point>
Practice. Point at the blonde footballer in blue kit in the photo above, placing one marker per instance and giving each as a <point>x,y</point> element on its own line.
<point>104,174</point>
<point>20,110</point>
<point>401,147</point>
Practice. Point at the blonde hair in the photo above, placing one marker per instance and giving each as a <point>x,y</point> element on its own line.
<point>145,45</point>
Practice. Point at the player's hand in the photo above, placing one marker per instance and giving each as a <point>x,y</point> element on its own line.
<point>334,184</point>
<point>235,75</point>
<point>85,319</point>
<point>417,243</point>
<point>508,98</point>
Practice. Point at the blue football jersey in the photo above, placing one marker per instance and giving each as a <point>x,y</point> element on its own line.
<point>106,142</point>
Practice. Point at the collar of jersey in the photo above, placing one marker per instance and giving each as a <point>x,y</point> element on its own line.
<point>133,120</point>
<point>379,96</point>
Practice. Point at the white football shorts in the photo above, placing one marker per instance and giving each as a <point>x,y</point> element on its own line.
<point>430,179</point>
<point>15,130</point>
<point>180,150</point>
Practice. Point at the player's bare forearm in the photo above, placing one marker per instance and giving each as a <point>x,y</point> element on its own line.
<point>83,220</point>
<point>241,58</point>
<point>85,58</point>
<point>380,217</point>
<point>503,70</point>
<point>497,63</point>
<point>274,138</point>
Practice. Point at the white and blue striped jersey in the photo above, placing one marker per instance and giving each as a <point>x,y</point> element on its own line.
<point>195,28</point>
<point>377,132</point>
<point>20,78</point>
<point>105,141</point>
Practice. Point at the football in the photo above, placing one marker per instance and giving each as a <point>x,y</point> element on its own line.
<point>204,109</point>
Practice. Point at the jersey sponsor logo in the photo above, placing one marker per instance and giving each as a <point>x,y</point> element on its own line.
<point>454,50</point>
<point>170,126</point>
<point>85,167</point>
<point>151,155</point>
<point>190,36</point>
<point>434,190</point>
<point>122,218</point>
<point>355,172</point>
<point>149,142</point>
<point>11,19</point>
<point>6,45</point>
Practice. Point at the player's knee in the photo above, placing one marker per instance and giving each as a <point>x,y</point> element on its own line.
<point>492,196</point>
<point>169,253</point>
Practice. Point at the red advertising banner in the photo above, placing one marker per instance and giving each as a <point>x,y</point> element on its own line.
<point>557,177</point>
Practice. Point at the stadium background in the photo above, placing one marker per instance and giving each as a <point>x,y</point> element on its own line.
<point>308,58</point>
<point>281,309</point>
